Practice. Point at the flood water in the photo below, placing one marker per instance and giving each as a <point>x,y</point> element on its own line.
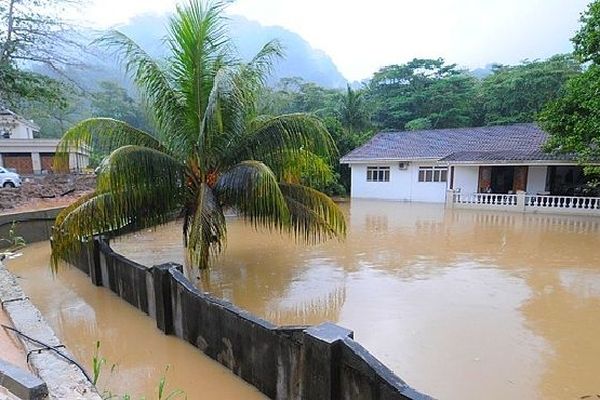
<point>82,314</point>
<point>461,304</point>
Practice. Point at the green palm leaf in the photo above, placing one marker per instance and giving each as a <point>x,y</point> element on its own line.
<point>315,217</point>
<point>252,189</point>
<point>104,134</point>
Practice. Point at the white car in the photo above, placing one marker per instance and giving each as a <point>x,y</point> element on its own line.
<point>9,179</point>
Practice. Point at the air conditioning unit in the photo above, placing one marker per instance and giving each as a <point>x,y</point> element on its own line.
<point>403,165</point>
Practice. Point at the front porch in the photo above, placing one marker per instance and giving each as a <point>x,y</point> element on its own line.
<point>557,189</point>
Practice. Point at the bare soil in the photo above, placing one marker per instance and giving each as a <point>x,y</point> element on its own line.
<point>38,192</point>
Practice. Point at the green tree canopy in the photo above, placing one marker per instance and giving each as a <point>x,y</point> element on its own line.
<point>518,93</point>
<point>421,90</point>
<point>573,119</point>
<point>34,32</point>
<point>211,151</point>
<point>113,101</point>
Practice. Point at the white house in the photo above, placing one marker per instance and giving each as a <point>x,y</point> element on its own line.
<point>469,167</point>
<point>22,149</point>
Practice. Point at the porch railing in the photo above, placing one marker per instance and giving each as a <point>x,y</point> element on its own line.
<point>566,202</point>
<point>486,199</point>
<point>526,203</point>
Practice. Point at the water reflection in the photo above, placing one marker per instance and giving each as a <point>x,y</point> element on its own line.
<point>462,304</point>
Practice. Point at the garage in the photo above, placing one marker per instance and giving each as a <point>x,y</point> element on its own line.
<point>47,161</point>
<point>21,162</point>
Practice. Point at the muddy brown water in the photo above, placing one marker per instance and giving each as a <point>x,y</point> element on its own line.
<point>136,353</point>
<point>461,304</point>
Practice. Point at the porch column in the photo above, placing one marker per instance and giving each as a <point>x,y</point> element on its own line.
<point>36,163</point>
<point>450,198</point>
<point>520,179</point>
<point>485,179</point>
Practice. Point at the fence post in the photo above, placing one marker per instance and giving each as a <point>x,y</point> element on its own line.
<point>94,261</point>
<point>162,296</point>
<point>521,200</point>
<point>321,353</point>
<point>450,198</point>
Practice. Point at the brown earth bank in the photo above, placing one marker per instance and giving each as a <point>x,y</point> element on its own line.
<point>38,192</point>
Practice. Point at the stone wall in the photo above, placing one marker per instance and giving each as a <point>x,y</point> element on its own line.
<point>316,362</point>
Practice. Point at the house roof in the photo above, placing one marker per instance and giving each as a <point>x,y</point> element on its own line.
<point>6,113</point>
<point>519,142</point>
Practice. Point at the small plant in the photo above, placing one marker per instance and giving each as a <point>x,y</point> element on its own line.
<point>14,242</point>
<point>161,388</point>
<point>99,362</point>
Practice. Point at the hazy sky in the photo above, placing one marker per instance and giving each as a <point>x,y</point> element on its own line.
<point>361,36</point>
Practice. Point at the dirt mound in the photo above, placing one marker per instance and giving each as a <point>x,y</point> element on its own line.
<point>47,190</point>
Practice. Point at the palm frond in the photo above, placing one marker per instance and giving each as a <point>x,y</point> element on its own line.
<point>224,116</point>
<point>104,134</point>
<point>270,139</point>
<point>252,189</point>
<point>199,47</point>
<point>314,216</point>
<point>204,228</point>
<point>166,103</point>
<point>137,188</point>
<point>136,166</point>
<point>256,72</point>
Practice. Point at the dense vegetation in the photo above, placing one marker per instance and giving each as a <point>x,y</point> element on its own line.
<point>573,120</point>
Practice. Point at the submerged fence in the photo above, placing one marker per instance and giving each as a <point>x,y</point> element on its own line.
<point>299,362</point>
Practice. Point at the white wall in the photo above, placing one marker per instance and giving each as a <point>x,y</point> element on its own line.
<point>536,179</point>
<point>18,129</point>
<point>466,178</point>
<point>403,185</point>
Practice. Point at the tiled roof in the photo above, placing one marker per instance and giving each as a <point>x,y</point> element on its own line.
<point>506,155</point>
<point>490,143</point>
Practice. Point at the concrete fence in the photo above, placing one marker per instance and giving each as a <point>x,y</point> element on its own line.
<point>304,362</point>
<point>32,226</point>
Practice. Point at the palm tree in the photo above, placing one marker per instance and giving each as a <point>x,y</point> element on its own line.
<point>210,152</point>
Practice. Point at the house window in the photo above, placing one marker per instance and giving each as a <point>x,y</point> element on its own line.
<point>433,174</point>
<point>378,174</point>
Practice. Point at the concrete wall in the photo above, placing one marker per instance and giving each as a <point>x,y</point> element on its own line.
<point>466,178</point>
<point>33,226</point>
<point>536,179</point>
<point>319,362</point>
<point>404,184</point>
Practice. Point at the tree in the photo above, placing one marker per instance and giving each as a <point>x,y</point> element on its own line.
<point>587,39</point>
<point>352,112</point>
<point>518,93</point>
<point>211,150</point>
<point>54,119</point>
<point>33,32</point>
<point>573,119</point>
<point>113,101</point>
<point>429,92</point>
